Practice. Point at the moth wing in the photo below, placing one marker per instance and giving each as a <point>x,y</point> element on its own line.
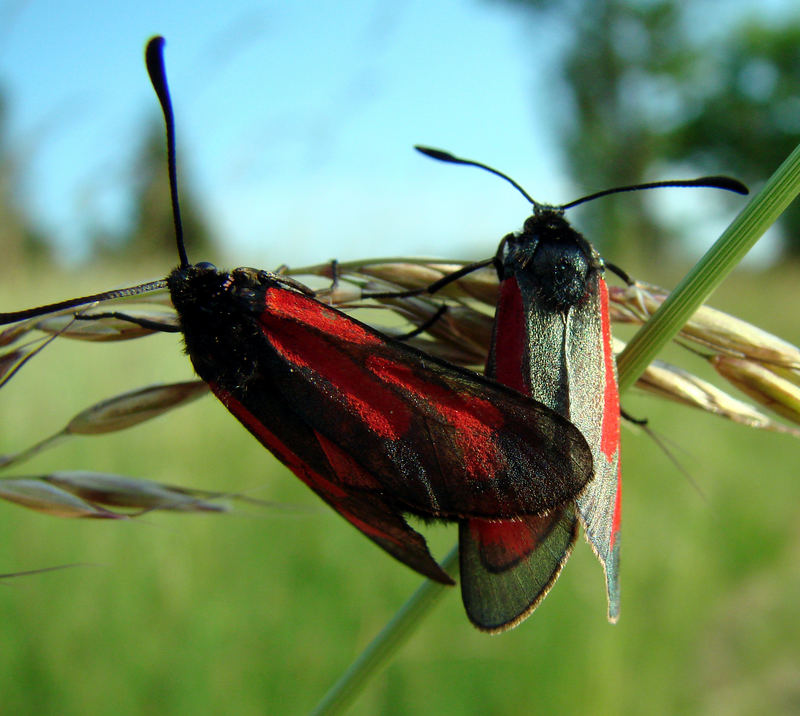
<point>595,410</point>
<point>443,441</point>
<point>508,566</point>
<point>320,464</point>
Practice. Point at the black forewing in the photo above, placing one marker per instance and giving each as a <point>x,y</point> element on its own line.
<point>303,451</point>
<point>437,440</point>
<point>443,441</point>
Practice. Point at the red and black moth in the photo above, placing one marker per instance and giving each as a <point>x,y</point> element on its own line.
<point>376,428</point>
<point>552,342</point>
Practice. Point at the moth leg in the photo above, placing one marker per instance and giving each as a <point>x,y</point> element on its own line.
<point>423,326</point>
<point>143,322</point>
<point>619,272</point>
<point>636,421</point>
<point>335,275</point>
<point>436,285</point>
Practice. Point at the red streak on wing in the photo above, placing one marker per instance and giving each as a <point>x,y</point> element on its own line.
<point>610,432</point>
<point>345,467</point>
<point>510,361</point>
<point>367,528</point>
<point>367,510</point>
<point>505,543</point>
<point>311,338</point>
<point>275,446</point>
<point>474,436</point>
<point>353,474</point>
<point>287,305</point>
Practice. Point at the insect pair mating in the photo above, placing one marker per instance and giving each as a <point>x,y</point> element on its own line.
<point>380,430</point>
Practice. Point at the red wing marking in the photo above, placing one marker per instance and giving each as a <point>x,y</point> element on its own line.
<point>379,408</point>
<point>610,431</point>
<point>367,512</point>
<point>345,467</point>
<point>505,543</point>
<point>510,368</point>
<point>283,304</point>
<point>275,446</point>
<point>473,435</point>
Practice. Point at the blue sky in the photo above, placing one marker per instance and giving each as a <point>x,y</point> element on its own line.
<point>295,120</point>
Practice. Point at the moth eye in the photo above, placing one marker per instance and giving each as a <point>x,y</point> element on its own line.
<point>205,265</point>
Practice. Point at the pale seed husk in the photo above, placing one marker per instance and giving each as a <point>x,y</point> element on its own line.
<point>129,409</point>
<point>38,495</point>
<point>121,491</point>
<point>761,384</point>
<point>117,413</point>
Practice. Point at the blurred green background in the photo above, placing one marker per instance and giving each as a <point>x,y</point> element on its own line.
<point>261,610</point>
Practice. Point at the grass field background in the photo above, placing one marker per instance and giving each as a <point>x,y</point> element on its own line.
<point>260,611</point>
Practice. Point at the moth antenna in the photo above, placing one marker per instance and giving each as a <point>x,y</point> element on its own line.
<point>443,156</point>
<point>709,182</point>
<point>154,59</point>
<point>15,316</point>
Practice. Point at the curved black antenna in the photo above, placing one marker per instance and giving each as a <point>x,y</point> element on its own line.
<point>711,182</point>
<point>443,156</point>
<point>154,59</point>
